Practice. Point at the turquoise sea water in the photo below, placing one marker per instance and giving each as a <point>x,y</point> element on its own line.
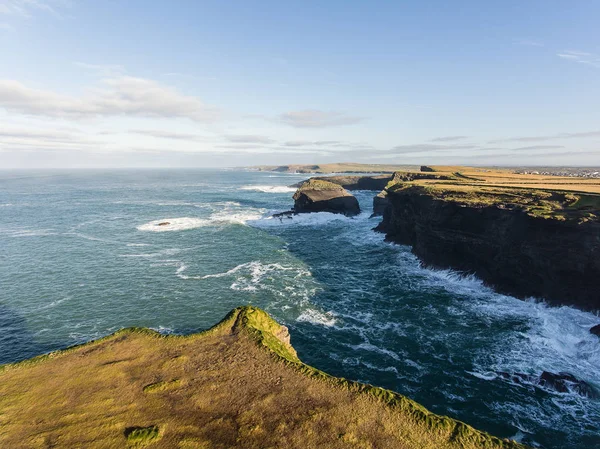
<point>82,255</point>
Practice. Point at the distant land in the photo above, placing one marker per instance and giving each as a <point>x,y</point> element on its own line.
<point>352,167</point>
<point>342,167</point>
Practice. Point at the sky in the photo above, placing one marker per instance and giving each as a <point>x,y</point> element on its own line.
<point>111,83</point>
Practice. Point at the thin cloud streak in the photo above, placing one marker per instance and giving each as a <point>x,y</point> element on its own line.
<point>581,57</point>
<point>313,118</point>
<point>578,135</point>
<point>449,139</point>
<point>119,96</point>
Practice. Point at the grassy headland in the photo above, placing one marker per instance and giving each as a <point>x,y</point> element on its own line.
<point>562,198</point>
<point>239,384</point>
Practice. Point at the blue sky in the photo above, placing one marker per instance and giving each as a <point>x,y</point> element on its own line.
<point>216,83</point>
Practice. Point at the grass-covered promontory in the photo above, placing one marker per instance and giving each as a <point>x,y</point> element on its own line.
<point>561,198</point>
<point>239,384</point>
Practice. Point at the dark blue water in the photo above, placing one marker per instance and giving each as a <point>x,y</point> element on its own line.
<point>82,255</point>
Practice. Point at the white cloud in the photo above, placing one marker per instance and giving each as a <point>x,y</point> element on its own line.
<point>578,135</point>
<point>538,147</point>
<point>105,70</point>
<point>26,8</point>
<point>581,57</point>
<point>313,118</point>
<point>253,139</point>
<point>448,139</point>
<point>169,135</point>
<point>427,147</point>
<point>117,96</point>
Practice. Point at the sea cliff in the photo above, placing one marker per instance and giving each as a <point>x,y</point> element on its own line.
<point>524,242</point>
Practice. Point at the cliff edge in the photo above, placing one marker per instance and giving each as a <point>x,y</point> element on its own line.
<point>237,385</point>
<point>525,242</point>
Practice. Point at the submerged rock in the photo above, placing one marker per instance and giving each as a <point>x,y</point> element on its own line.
<point>163,223</point>
<point>559,382</point>
<point>316,195</point>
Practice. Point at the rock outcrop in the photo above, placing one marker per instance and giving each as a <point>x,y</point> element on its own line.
<point>377,182</point>
<point>380,202</point>
<point>527,243</point>
<point>557,382</point>
<point>316,195</point>
<point>596,330</point>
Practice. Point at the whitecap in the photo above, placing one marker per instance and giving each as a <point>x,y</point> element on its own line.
<point>163,330</point>
<point>238,216</point>
<point>270,189</point>
<point>372,348</point>
<point>311,219</point>
<point>31,233</point>
<point>173,224</point>
<point>315,317</point>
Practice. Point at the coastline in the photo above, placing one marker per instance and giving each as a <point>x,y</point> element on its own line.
<point>170,370</point>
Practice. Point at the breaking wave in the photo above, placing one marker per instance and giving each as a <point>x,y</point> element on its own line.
<point>270,189</point>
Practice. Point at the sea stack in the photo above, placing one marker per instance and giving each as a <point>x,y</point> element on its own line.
<point>316,195</point>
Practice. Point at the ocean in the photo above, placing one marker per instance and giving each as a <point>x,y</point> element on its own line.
<point>82,254</point>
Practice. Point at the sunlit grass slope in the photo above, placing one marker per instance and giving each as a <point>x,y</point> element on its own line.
<point>239,384</point>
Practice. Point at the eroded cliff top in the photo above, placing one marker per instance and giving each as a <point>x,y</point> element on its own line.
<point>239,384</point>
<point>319,185</point>
<point>561,198</point>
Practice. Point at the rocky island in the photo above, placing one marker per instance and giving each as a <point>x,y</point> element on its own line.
<point>239,384</point>
<point>317,195</point>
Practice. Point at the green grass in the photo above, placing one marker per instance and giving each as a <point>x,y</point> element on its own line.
<point>238,384</point>
<point>141,436</point>
<point>319,184</point>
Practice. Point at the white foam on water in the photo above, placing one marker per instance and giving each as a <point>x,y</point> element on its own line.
<point>237,216</point>
<point>222,217</point>
<point>532,337</point>
<point>269,189</point>
<point>52,304</point>
<point>223,204</point>
<point>163,330</point>
<point>6,204</point>
<point>365,346</point>
<point>312,219</point>
<point>173,224</point>
<point>314,316</point>
<point>391,369</point>
<point>31,233</point>
<point>255,269</point>
<point>138,244</point>
<point>161,253</point>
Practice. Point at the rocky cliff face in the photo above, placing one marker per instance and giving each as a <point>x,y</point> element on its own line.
<point>316,195</point>
<point>508,248</point>
<point>376,182</point>
<point>380,203</point>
